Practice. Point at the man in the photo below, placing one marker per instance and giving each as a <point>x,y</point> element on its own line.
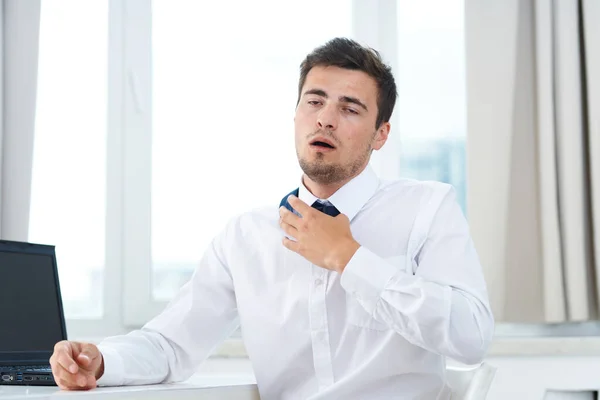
<point>354,289</point>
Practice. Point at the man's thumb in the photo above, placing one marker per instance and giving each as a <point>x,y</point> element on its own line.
<point>86,355</point>
<point>84,359</point>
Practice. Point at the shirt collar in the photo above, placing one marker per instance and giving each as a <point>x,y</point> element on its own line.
<point>351,197</point>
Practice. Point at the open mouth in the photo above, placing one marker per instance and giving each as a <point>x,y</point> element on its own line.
<point>322,144</point>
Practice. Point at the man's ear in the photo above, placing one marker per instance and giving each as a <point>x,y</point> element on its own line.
<point>381,135</point>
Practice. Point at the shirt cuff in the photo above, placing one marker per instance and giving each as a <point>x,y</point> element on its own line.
<point>113,367</point>
<point>366,276</point>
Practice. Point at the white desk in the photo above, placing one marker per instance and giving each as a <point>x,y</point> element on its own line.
<point>200,386</point>
<point>167,391</point>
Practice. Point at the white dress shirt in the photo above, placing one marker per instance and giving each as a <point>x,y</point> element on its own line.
<point>412,295</point>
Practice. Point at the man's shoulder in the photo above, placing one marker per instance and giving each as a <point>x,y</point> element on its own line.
<point>421,191</point>
<point>420,200</point>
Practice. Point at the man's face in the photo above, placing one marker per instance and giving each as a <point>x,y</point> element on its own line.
<point>335,124</point>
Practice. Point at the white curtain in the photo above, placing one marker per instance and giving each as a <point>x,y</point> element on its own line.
<point>533,152</point>
<point>19,29</point>
<point>592,32</point>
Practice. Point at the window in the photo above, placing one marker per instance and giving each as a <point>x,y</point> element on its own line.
<point>68,183</point>
<point>154,120</point>
<point>224,95</point>
<point>431,81</point>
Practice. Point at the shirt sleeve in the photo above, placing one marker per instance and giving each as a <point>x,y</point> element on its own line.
<point>170,347</point>
<point>443,305</point>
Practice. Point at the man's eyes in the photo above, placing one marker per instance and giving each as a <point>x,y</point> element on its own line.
<point>345,109</point>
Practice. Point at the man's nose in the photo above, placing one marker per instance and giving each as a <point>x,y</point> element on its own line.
<point>328,118</point>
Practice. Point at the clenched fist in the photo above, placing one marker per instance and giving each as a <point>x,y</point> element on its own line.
<point>76,366</point>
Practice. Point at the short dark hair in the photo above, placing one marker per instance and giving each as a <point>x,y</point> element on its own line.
<point>348,54</point>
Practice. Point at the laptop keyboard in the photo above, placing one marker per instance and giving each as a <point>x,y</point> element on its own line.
<point>28,368</point>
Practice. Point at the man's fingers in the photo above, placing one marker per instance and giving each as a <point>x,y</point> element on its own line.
<point>299,205</point>
<point>64,359</point>
<point>88,354</point>
<point>74,365</point>
<point>289,217</point>
<point>68,380</point>
<point>90,350</point>
<point>84,360</point>
<point>91,382</point>
<point>67,347</point>
<point>289,229</point>
<point>290,244</point>
<point>76,349</point>
<point>67,385</point>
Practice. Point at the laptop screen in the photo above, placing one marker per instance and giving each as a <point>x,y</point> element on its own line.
<point>30,309</point>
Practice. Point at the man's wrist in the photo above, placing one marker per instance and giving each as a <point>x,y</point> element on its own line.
<point>343,255</point>
<point>100,370</point>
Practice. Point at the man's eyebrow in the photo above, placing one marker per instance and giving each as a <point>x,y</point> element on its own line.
<point>318,92</point>
<point>343,99</point>
<point>353,100</point>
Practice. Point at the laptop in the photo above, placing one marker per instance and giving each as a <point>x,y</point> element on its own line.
<point>31,313</point>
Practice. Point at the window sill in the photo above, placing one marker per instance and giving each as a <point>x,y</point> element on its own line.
<point>230,348</point>
<point>572,346</point>
<point>584,346</point>
<point>501,347</point>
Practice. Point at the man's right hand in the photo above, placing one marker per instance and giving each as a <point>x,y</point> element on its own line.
<point>76,366</point>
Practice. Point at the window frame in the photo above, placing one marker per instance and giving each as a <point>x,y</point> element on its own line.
<point>127,298</point>
<point>135,81</point>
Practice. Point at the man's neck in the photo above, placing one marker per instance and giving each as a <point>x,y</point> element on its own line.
<point>325,191</point>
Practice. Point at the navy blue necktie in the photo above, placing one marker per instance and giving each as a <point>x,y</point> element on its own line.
<point>328,209</point>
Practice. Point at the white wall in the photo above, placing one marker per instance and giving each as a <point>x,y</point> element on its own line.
<point>564,367</point>
<point>529,378</point>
